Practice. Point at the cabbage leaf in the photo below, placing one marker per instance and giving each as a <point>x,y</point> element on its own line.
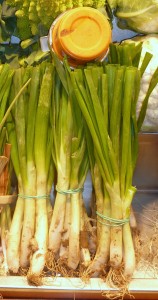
<point>140,16</point>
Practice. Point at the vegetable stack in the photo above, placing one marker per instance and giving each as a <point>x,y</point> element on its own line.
<point>70,156</point>
<point>28,131</point>
<point>114,148</point>
<point>107,96</point>
<point>63,124</point>
<point>6,75</point>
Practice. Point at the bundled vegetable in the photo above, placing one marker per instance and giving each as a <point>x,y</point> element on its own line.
<point>37,137</point>
<point>62,135</point>
<point>31,156</point>
<point>77,119</point>
<point>6,76</point>
<point>111,152</point>
<point>107,96</point>
<point>102,204</point>
<point>67,231</point>
<point>5,210</point>
<point>78,238</point>
<point>6,197</point>
<point>44,171</point>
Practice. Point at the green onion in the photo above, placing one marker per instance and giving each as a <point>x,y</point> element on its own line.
<point>62,135</point>
<point>111,156</point>
<point>41,139</point>
<point>28,128</point>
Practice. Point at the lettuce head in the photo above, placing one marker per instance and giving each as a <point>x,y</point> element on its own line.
<point>138,15</point>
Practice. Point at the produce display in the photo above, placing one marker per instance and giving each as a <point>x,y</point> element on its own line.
<point>60,124</point>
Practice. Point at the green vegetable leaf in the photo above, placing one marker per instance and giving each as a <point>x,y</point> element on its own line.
<point>7,22</point>
<point>153,83</point>
<point>126,6</point>
<point>140,16</point>
<point>8,11</point>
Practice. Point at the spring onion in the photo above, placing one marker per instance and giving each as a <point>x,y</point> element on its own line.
<point>115,138</point>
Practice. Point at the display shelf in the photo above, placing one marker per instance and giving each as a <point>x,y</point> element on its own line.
<point>71,288</point>
<point>144,284</point>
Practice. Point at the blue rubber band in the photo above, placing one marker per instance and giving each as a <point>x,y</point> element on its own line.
<point>33,197</point>
<point>70,191</point>
<point>112,222</point>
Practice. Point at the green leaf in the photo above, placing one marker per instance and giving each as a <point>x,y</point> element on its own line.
<point>7,22</point>
<point>153,83</point>
<point>7,11</point>
<point>61,71</point>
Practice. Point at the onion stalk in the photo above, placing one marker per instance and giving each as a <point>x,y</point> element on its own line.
<point>5,214</point>
<point>41,140</point>
<point>6,79</point>
<point>62,135</point>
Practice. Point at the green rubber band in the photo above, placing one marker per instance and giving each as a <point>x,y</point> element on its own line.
<point>71,191</point>
<point>113,222</point>
<point>31,197</point>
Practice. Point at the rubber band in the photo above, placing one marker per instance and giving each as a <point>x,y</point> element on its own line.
<point>71,191</point>
<point>31,197</point>
<point>112,222</point>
